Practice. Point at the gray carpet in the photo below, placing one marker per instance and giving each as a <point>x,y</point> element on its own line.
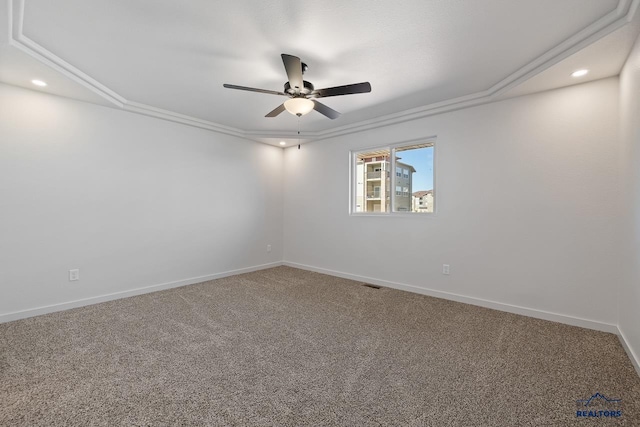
<point>286,347</point>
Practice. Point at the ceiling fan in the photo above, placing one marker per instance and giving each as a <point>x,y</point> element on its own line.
<point>301,93</point>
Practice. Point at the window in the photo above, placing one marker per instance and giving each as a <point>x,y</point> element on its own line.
<point>408,167</point>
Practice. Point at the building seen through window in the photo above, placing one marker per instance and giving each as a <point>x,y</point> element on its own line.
<point>394,179</point>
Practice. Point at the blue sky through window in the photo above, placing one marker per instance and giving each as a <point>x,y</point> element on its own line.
<point>422,160</point>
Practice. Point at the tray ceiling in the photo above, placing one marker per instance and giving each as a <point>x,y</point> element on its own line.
<point>170,59</point>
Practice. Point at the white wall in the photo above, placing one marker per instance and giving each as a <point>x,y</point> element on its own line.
<point>534,197</point>
<point>131,201</point>
<point>629,301</point>
<point>526,197</point>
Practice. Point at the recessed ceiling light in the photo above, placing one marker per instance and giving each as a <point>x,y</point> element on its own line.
<point>579,73</point>
<point>38,83</point>
<point>283,143</point>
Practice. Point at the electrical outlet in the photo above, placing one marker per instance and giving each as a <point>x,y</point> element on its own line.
<point>268,248</point>
<point>74,275</point>
<point>445,268</point>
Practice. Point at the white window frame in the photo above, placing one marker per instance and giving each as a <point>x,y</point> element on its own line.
<point>353,156</point>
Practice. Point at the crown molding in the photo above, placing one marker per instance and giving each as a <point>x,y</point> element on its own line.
<point>18,40</point>
<point>607,24</point>
<point>148,110</point>
<point>623,14</point>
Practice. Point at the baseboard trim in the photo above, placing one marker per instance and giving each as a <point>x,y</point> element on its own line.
<point>509,308</point>
<point>635,360</point>
<point>23,314</point>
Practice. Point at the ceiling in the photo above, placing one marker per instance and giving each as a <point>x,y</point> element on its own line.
<point>169,59</point>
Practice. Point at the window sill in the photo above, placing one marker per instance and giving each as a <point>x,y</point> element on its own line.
<point>395,214</point>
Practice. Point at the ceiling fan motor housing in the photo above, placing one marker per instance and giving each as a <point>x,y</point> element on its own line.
<point>306,90</point>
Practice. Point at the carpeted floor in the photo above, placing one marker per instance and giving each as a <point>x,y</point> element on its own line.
<point>286,347</point>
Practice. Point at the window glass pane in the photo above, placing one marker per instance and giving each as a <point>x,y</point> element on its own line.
<point>373,181</point>
<point>416,161</point>
<point>372,189</point>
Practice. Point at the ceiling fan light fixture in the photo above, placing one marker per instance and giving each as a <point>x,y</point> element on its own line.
<point>299,106</point>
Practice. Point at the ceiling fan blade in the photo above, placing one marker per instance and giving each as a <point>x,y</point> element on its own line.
<point>323,109</point>
<point>293,66</point>
<point>364,87</point>
<point>252,89</point>
<point>276,111</point>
